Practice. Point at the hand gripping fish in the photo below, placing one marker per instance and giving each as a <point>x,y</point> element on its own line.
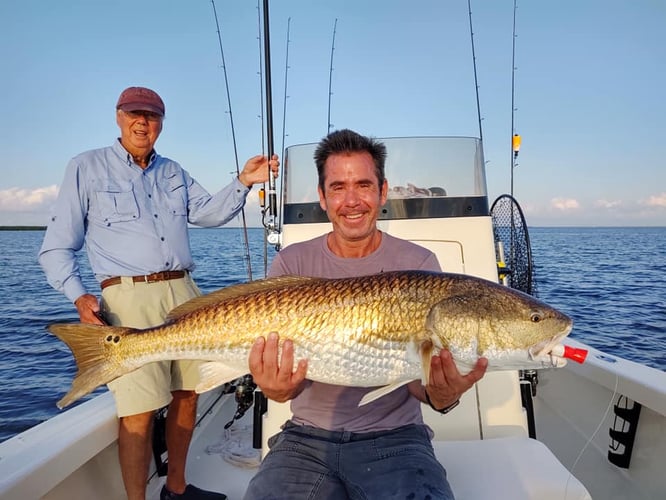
<point>371,331</point>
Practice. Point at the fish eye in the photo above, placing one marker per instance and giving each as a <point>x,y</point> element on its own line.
<point>535,317</point>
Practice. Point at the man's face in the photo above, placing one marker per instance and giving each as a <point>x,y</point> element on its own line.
<point>139,130</point>
<point>352,196</point>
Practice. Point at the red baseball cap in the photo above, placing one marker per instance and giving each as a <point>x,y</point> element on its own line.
<point>140,99</point>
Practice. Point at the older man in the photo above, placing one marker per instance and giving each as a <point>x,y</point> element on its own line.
<point>131,208</point>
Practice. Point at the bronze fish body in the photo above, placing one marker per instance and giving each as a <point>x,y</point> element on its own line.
<point>378,330</point>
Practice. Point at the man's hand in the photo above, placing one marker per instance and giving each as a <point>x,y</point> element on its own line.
<point>447,384</point>
<point>255,170</point>
<point>88,308</point>
<point>274,374</point>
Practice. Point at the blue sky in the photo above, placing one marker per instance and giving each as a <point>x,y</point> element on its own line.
<point>589,90</point>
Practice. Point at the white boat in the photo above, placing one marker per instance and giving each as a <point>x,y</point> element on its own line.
<point>600,427</point>
<point>592,430</point>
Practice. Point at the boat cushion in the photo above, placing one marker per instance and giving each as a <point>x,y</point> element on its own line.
<point>514,467</point>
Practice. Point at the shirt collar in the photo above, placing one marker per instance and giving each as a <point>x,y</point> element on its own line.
<point>123,153</point>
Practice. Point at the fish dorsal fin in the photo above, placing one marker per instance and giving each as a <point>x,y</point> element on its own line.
<point>233,291</point>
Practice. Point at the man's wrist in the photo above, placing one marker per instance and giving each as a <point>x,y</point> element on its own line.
<point>444,410</point>
<point>242,178</point>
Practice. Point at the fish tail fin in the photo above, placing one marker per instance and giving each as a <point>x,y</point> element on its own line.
<point>90,346</point>
<point>426,349</point>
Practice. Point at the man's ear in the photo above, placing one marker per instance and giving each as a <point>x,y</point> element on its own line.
<point>384,193</point>
<point>322,199</point>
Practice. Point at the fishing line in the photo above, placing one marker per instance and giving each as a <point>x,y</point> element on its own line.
<point>246,239</point>
<point>591,438</point>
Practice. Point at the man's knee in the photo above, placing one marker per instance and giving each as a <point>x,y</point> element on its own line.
<point>189,398</point>
<point>140,423</point>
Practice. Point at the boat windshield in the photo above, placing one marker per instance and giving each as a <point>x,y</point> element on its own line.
<point>416,167</point>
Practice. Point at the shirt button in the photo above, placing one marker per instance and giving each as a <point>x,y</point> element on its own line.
<point>156,216</point>
<point>162,238</point>
<point>166,264</point>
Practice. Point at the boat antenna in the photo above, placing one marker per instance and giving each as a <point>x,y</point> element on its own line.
<point>515,138</point>
<point>269,222</point>
<point>476,79</point>
<point>330,77</point>
<point>246,240</point>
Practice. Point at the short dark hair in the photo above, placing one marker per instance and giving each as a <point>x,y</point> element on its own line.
<point>347,141</point>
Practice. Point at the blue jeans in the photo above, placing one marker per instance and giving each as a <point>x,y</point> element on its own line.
<point>309,463</point>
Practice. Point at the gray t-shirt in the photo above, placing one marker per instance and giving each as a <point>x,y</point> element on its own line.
<point>335,407</point>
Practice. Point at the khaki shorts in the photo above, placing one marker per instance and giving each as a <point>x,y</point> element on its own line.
<point>142,305</point>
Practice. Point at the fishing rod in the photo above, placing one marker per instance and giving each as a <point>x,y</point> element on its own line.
<point>476,79</point>
<point>262,191</point>
<point>284,120</point>
<point>515,138</point>
<point>246,239</point>
<point>330,77</point>
<point>269,223</point>
<point>261,83</point>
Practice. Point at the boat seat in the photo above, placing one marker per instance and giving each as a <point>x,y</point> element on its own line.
<point>516,468</point>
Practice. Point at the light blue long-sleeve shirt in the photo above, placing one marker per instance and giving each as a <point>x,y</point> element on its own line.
<point>133,221</point>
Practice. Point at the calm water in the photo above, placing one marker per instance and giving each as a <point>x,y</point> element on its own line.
<point>611,281</point>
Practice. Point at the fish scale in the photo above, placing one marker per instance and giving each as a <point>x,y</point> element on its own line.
<point>364,331</point>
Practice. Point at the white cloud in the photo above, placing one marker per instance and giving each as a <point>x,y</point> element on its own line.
<point>27,200</point>
<point>564,204</point>
<point>609,204</point>
<point>658,200</point>
<point>22,206</point>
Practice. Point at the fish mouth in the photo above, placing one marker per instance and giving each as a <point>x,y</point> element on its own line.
<point>545,348</point>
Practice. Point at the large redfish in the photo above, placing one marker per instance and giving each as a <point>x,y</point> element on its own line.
<point>378,330</point>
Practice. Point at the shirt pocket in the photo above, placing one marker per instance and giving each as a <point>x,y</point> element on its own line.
<point>176,195</point>
<point>115,202</point>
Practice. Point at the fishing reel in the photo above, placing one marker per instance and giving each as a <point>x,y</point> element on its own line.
<point>243,389</point>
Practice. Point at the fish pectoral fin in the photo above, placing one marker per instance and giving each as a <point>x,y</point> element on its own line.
<point>382,391</point>
<point>214,374</point>
<point>426,350</point>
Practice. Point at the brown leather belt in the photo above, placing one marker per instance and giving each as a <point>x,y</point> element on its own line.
<point>148,278</point>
